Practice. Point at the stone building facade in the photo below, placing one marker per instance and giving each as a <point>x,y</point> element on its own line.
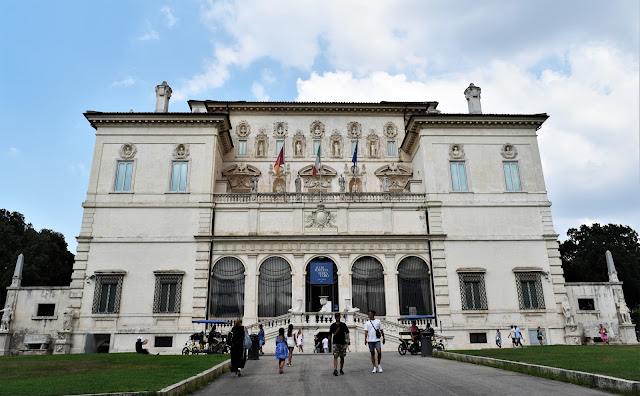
<point>187,218</point>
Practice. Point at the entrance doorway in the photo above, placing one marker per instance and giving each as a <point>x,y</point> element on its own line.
<point>329,286</point>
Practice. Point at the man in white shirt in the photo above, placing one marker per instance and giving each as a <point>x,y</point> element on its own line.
<point>372,334</point>
<point>325,345</point>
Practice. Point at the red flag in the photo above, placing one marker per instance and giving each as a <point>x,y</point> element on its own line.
<point>279,161</point>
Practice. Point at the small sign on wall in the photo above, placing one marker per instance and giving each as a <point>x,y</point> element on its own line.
<point>321,273</point>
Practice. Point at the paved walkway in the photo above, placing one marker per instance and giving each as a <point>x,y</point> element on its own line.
<point>403,375</point>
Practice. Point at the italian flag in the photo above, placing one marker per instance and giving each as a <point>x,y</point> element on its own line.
<point>318,164</point>
<point>279,161</point>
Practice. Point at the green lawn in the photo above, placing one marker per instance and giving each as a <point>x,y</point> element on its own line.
<point>622,361</point>
<point>98,373</point>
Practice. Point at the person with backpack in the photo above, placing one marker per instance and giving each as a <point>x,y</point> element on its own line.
<point>340,333</point>
<point>238,342</point>
<point>373,333</point>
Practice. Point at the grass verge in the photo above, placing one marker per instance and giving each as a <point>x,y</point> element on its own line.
<point>621,361</point>
<point>98,373</point>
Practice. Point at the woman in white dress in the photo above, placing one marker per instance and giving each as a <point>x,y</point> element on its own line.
<point>291,342</point>
<point>300,339</point>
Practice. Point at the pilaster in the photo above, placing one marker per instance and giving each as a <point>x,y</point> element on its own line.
<point>251,290</point>
<point>391,285</point>
<point>297,279</point>
<point>344,280</point>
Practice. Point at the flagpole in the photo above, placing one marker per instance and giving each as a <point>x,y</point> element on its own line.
<point>320,170</point>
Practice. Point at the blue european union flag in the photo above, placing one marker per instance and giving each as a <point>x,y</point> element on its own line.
<point>355,158</point>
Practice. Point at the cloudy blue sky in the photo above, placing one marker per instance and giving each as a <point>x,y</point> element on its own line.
<point>575,60</point>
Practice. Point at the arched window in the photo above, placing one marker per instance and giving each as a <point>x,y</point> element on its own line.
<point>227,289</point>
<point>274,288</point>
<point>368,285</point>
<point>414,286</point>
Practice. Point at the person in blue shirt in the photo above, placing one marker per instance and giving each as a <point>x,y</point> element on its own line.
<point>261,339</point>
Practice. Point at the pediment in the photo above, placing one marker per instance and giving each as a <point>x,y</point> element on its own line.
<point>241,169</point>
<point>394,169</point>
<point>307,171</point>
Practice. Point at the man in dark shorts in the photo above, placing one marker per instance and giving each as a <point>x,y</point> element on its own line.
<point>340,333</point>
<point>139,348</point>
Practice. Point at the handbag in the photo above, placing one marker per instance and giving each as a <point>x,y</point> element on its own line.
<point>378,335</point>
<point>247,341</point>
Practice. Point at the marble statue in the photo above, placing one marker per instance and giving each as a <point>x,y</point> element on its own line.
<point>254,184</point>
<point>298,307</point>
<point>298,183</point>
<point>298,148</point>
<point>623,311</point>
<point>7,316</point>
<point>261,148</point>
<point>341,183</point>
<point>566,311</point>
<point>68,318</point>
<point>385,183</point>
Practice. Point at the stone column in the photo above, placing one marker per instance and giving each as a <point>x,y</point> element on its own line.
<point>297,281</point>
<point>344,280</point>
<point>251,290</point>
<point>391,286</point>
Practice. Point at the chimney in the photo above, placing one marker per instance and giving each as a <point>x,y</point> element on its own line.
<point>163,94</point>
<point>472,93</point>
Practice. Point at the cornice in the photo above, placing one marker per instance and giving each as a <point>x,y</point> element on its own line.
<point>317,107</point>
<point>160,119</point>
<point>494,121</point>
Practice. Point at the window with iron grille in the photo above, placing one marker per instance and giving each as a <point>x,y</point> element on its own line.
<point>478,338</point>
<point>106,298</point>
<point>472,291</point>
<point>530,293</point>
<point>163,342</point>
<point>167,293</point>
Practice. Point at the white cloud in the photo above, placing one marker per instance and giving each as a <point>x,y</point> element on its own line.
<point>13,151</point>
<point>124,82</point>
<point>258,91</point>
<point>168,13</point>
<point>267,77</point>
<point>589,145</point>
<point>149,34</point>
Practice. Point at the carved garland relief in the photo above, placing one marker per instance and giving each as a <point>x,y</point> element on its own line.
<point>181,151</point>
<point>508,151</point>
<point>456,151</point>
<point>243,129</point>
<point>128,151</point>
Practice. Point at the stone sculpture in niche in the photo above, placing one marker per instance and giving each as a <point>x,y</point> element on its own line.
<point>181,151</point>
<point>508,151</point>
<point>298,144</point>
<point>262,143</point>
<point>336,144</point>
<point>336,149</point>
<point>128,151</point>
<point>298,149</point>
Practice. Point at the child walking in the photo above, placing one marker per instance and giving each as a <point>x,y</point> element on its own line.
<point>282,352</point>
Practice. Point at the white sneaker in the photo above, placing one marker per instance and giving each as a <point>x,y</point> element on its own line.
<point>379,368</point>
<point>375,369</point>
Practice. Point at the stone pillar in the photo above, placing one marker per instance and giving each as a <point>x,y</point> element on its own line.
<point>62,343</point>
<point>344,280</point>
<point>251,290</point>
<point>163,94</point>
<point>472,93</point>
<point>5,343</point>
<point>391,286</point>
<point>297,281</point>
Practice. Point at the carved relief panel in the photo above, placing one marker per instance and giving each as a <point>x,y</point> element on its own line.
<point>317,129</point>
<point>393,177</point>
<point>456,151</point>
<point>128,151</point>
<point>280,130</point>
<point>322,181</point>
<point>508,151</point>
<point>181,151</point>
<point>243,129</point>
<point>279,183</point>
<point>356,177</point>
<point>354,130</point>
<point>390,130</point>
<point>241,177</point>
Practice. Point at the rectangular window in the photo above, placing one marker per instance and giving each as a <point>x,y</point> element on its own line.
<point>354,144</point>
<point>163,342</point>
<point>391,148</point>
<point>530,290</point>
<point>279,145</point>
<point>472,291</point>
<point>167,293</point>
<point>242,147</point>
<point>478,338</point>
<point>46,310</point>
<point>316,146</point>
<point>458,176</point>
<point>106,297</point>
<point>586,304</point>
<point>123,176</point>
<point>511,176</point>
<point>179,176</point>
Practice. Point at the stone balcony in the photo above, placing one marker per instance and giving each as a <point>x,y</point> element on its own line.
<point>318,197</point>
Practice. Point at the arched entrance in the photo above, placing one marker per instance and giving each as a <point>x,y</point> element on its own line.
<point>321,280</point>
<point>274,287</point>
<point>367,285</point>
<point>414,287</point>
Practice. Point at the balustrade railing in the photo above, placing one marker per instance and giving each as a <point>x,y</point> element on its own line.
<point>318,197</point>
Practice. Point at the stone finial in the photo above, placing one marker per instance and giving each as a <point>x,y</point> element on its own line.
<point>163,94</point>
<point>472,93</point>
<point>611,267</point>
<point>17,273</point>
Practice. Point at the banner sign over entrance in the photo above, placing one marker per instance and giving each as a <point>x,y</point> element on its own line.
<point>321,273</point>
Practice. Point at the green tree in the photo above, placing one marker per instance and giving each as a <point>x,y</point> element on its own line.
<point>583,256</point>
<point>47,260</point>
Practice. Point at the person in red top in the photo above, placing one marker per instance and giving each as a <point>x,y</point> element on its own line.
<point>415,333</point>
